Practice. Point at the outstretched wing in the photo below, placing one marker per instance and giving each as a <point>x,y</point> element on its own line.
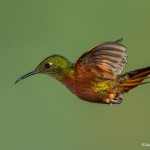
<point>103,61</point>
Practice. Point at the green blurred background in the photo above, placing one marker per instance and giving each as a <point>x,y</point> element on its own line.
<point>40,113</point>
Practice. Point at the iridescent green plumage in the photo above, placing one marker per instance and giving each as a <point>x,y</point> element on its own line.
<point>56,66</point>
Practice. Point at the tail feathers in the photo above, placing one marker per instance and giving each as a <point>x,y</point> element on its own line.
<point>135,78</point>
<point>140,73</point>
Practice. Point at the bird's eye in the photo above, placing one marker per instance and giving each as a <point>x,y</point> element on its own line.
<point>47,65</point>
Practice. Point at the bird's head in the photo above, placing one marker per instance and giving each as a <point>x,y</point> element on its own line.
<point>54,65</point>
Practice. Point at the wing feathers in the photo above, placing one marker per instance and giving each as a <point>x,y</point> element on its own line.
<point>110,56</point>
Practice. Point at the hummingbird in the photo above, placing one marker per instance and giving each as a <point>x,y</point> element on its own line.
<point>97,75</point>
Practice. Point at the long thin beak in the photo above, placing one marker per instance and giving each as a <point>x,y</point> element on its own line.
<point>26,75</point>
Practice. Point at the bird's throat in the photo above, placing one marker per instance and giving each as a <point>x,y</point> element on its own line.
<point>65,73</point>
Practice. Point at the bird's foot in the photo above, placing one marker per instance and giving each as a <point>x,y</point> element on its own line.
<point>117,100</point>
<point>113,100</point>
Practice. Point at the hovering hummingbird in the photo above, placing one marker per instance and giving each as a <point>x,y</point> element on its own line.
<point>96,76</point>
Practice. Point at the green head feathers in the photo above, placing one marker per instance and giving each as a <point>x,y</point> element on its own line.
<point>55,65</point>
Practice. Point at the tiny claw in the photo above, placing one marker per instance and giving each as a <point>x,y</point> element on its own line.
<point>117,100</point>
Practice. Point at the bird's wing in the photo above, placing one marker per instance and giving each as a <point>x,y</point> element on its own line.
<point>103,61</point>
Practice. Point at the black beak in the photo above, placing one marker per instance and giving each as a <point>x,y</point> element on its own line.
<point>26,75</point>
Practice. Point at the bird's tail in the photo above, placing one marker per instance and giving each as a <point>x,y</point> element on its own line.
<point>135,78</point>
